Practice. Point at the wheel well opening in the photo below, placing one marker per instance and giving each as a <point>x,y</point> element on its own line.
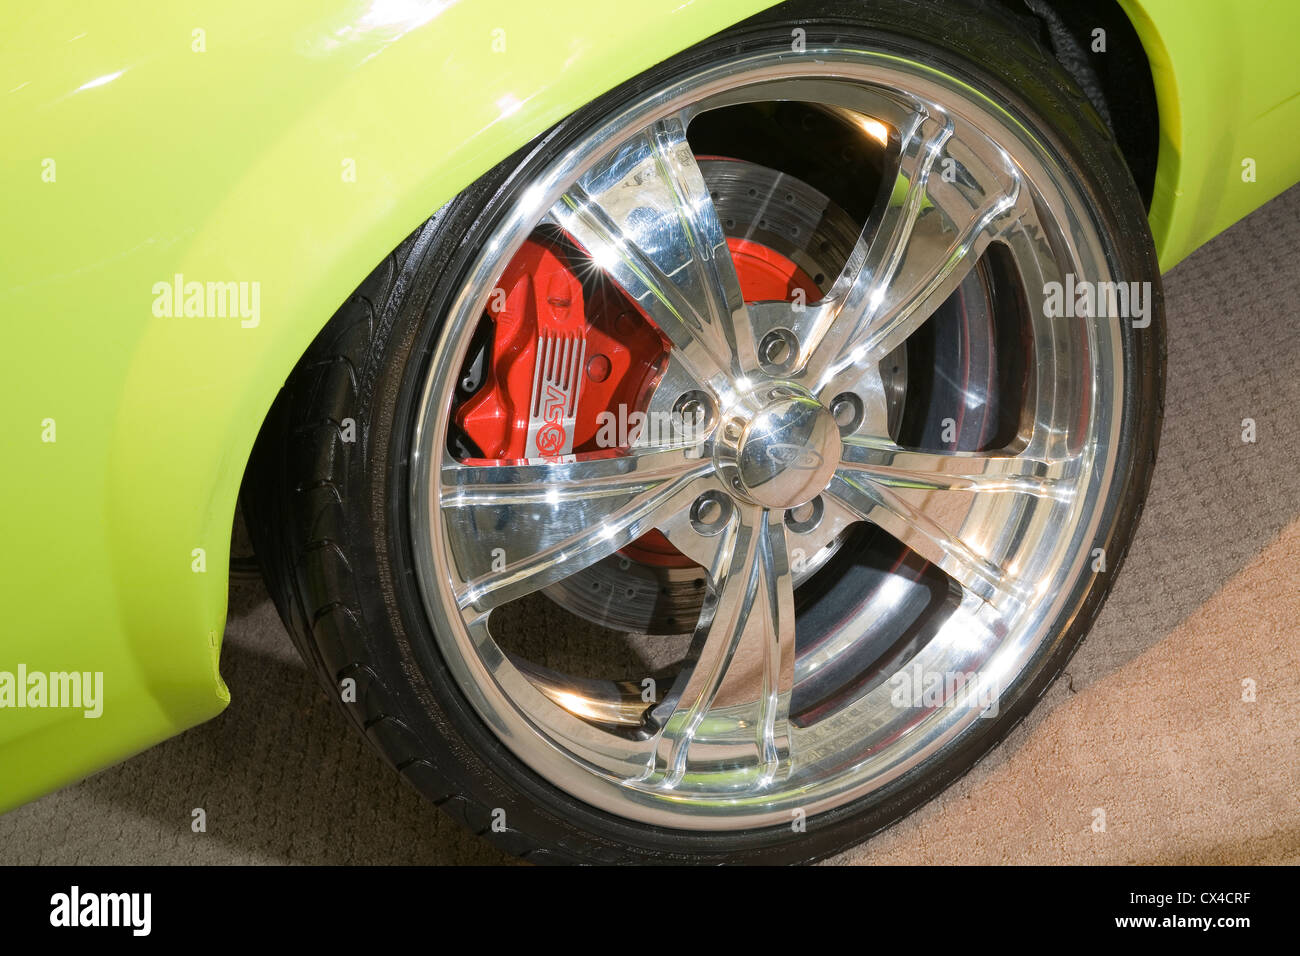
<point>1112,69</point>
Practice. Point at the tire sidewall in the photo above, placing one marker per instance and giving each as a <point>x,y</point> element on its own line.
<point>447,733</point>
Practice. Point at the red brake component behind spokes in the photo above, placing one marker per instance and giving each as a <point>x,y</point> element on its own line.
<point>541,300</point>
<point>541,297</point>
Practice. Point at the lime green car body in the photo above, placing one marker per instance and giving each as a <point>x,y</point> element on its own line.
<point>291,146</point>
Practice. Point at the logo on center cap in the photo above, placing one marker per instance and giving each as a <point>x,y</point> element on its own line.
<point>795,456</point>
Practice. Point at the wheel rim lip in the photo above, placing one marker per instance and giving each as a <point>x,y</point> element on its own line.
<point>473,661</point>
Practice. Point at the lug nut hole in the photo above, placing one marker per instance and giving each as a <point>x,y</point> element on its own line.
<point>710,513</point>
<point>805,517</point>
<point>777,351</point>
<point>848,412</point>
<point>692,414</point>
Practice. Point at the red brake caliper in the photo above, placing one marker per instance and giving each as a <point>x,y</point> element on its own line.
<point>562,354</point>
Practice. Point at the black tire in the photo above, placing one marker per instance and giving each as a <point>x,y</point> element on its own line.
<point>329,517</point>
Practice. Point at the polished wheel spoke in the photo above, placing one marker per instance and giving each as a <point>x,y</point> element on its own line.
<point>518,527</point>
<point>928,238</point>
<point>731,719</point>
<point>884,462</point>
<point>645,216</point>
<point>924,498</point>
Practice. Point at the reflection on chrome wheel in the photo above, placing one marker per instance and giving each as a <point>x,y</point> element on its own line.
<point>728,743</point>
<point>729,469</point>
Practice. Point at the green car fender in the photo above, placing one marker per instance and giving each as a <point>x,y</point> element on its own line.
<point>284,148</point>
<point>188,194</point>
<point>1228,92</point>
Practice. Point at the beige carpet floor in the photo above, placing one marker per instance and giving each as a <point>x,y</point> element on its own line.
<point>1148,725</point>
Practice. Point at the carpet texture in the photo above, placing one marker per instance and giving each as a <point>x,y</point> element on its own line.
<point>1147,731</point>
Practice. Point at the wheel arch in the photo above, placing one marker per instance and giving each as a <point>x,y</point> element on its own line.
<point>171,160</point>
<point>1224,94</point>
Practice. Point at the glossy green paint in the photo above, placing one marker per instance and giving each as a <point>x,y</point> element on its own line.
<point>221,165</point>
<point>1228,90</point>
<point>130,157</point>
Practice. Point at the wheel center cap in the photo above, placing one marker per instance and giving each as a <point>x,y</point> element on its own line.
<point>787,451</point>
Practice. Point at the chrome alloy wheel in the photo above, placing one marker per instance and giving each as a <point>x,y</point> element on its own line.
<point>797,450</point>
